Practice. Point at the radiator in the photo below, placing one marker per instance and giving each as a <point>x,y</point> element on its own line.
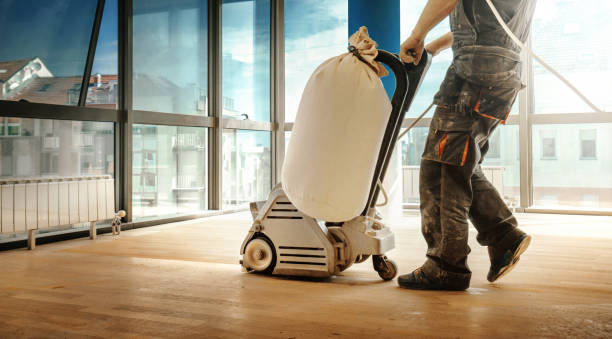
<point>37,203</point>
<point>495,174</point>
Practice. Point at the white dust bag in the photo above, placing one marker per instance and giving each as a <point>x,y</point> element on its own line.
<point>337,134</point>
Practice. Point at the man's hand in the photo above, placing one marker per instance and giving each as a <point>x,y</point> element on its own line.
<point>412,49</point>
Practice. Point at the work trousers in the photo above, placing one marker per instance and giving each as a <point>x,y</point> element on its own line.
<point>452,189</point>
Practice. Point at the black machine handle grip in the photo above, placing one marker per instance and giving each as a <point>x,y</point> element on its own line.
<point>408,78</point>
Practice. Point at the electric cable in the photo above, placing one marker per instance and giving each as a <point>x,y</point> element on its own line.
<point>382,189</point>
<point>416,121</point>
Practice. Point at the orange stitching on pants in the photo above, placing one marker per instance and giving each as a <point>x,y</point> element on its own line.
<point>506,118</point>
<point>465,150</point>
<point>487,116</point>
<point>442,145</point>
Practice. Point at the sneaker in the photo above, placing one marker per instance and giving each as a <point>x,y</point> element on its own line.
<point>510,258</point>
<point>417,280</point>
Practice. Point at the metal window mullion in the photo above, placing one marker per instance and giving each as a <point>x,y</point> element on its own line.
<point>123,150</point>
<point>215,109</point>
<point>33,110</point>
<point>172,119</point>
<point>277,103</point>
<point>525,133</point>
<point>247,125</point>
<point>91,52</point>
<point>571,118</point>
<point>272,89</point>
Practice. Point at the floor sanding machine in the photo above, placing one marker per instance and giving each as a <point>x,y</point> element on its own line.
<point>285,241</point>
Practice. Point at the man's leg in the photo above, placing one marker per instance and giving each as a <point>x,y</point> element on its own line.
<point>490,215</point>
<point>429,192</point>
<point>496,226</point>
<point>446,196</point>
<point>450,264</point>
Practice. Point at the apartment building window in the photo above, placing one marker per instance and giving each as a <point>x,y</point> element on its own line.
<point>588,144</point>
<point>549,144</point>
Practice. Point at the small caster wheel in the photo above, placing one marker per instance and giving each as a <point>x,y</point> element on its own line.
<point>386,268</point>
<point>361,258</point>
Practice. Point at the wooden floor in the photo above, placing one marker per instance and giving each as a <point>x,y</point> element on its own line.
<point>183,280</point>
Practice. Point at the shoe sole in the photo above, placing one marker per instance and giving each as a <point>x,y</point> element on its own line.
<point>522,247</point>
<point>431,288</point>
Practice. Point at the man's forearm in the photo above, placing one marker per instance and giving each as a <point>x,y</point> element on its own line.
<point>440,44</point>
<point>434,12</point>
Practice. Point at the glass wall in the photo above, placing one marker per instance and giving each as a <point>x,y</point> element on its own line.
<point>574,38</point>
<point>315,30</point>
<point>246,59</point>
<point>40,148</point>
<point>43,50</point>
<point>170,57</point>
<point>246,166</point>
<point>411,146</point>
<point>169,170</point>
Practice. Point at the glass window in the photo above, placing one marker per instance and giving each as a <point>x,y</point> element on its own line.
<point>571,37</point>
<point>411,146</point>
<point>494,150</point>
<point>571,180</point>
<point>246,59</point>
<point>315,30</point>
<point>588,144</point>
<point>37,147</point>
<point>103,83</point>
<point>501,164</point>
<point>170,56</point>
<point>170,167</point>
<point>44,49</point>
<point>246,166</point>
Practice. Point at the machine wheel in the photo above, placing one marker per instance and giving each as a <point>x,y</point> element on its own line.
<point>386,268</point>
<point>361,258</point>
<point>259,255</point>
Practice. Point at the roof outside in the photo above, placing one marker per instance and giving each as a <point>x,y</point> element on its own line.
<point>11,67</point>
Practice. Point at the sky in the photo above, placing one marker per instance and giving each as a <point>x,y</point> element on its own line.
<point>106,51</point>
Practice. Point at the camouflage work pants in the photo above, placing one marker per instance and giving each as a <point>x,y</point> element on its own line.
<point>452,189</point>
